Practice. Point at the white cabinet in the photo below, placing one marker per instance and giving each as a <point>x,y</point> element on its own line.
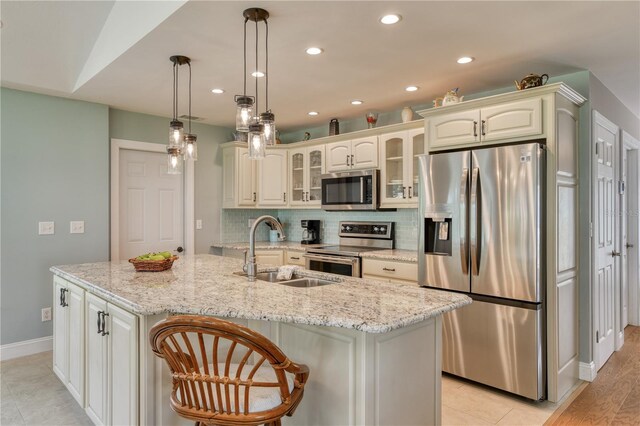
<point>269,257</point>
<point>111,363</point>
<point>306,168</point>
<point>391,271</point>
<point>68,339</point>
<point>294,258</point>
<point>272,179</point>
<point>238,178</point>
<point>505,122</point>
<point>355,154</point>
<point>399,153</point>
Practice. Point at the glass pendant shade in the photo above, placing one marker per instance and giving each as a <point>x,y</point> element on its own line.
<point>244,113</point>
<point>256,141</point>
<point>267,119</point>
<point>174,161</point>
<point>190,147</point>
<point>176,134</point>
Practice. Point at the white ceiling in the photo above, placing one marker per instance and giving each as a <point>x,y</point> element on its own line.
<point>117,52</point>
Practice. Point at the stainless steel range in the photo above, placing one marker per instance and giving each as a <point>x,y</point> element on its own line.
<point>355,238</point>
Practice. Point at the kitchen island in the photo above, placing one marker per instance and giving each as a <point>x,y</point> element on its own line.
<point>373,348</point>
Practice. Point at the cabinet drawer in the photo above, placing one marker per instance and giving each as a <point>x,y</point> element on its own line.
<point>294,258</point>
<point>395,271</point>
<point>269,257</point>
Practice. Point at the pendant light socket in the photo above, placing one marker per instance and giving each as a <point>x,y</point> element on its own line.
<point>190,146</point>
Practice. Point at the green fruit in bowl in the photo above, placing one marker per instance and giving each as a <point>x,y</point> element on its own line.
<point>166,254</point>
<point>156,257</point>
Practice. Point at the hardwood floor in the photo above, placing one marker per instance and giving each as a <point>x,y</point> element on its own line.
<point>613,398</point>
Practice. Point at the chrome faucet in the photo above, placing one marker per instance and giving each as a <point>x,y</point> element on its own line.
<point>250,265</point>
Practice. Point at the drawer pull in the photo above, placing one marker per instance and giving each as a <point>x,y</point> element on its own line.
<point>295,258</point>
<point>389,269</point>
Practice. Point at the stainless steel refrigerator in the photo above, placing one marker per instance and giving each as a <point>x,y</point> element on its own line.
<point>482,233</point>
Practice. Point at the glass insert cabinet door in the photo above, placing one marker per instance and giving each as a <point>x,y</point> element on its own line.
<point>297,177</point>
<point>419,148</point>
<point>315,173</point>
<point>394,166</point>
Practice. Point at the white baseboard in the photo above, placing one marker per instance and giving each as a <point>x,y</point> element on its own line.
<point>26,347</point>
<point>587,371</point>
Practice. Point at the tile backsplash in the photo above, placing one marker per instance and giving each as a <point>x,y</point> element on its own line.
<point>235,224</point>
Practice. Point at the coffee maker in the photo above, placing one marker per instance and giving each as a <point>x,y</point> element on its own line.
<point>310,231</point>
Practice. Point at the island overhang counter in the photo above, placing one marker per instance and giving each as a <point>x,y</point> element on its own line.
<point>373,347</point>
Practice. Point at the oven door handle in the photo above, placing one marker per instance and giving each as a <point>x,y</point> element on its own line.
<point>333,259</point>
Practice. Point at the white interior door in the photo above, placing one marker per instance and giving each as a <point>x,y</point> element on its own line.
<point>604,294</point>
<point>624,259</point>
<point>150,204</point>
<point>630,246</point>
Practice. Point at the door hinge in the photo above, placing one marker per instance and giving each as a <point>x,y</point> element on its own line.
<point>621,187</point>
<point>597,145</point>
<point>597,337</point>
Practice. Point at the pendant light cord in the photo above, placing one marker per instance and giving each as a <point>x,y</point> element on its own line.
<point>266,67</point>
<point>245,57</point>
<point>257,108</point>
<point>189,63</point>
<point>174,92</point>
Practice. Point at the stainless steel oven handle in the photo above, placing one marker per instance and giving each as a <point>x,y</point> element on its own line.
<point>337,259</point>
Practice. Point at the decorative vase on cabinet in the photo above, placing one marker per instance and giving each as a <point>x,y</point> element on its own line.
<point>407,114</point>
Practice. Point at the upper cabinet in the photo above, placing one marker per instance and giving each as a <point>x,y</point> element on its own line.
<point>399,153</point>
<point>354,154</point>
<point>504,121</point>
<point>272,178</point>
<point>238,178</point>
<point>306,167</point>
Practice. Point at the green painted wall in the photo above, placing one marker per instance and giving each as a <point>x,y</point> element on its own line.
<point>54,167</point>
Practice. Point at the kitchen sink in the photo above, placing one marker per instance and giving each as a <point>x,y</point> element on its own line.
<point>295,281</point>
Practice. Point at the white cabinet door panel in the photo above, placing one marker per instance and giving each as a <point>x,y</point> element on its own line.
<point>60,332</point>
<point>272,179</point>
<point>513,119</point>
<point>96,362</point>
<point>75,376</point>
<point>338,156</point>
<point>453,129</point>
<point>246,178</point>
<point>364,153</point>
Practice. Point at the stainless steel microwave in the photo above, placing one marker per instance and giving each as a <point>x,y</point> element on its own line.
<point>350,190</point>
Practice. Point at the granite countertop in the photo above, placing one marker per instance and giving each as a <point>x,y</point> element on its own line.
<point>395,254</point>
<point>267,245</point>
<point>205,284</point>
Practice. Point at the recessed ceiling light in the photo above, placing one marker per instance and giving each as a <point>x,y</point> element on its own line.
<point>356,102</point>
<point>390,19</point>
<point>314,51</point>
<point>217,91</point>
<point>313,113</point>
<point>257,74</point>
<point>465,60</point>
<point>411,88</point>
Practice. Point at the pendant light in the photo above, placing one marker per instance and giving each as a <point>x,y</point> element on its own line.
<point>181,146</point>
<point>261,126</point>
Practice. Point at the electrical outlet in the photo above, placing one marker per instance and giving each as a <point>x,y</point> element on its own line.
<point>198,224</point>
<point>46,314</point>
<point>76,227</point>
<point>46,228</point>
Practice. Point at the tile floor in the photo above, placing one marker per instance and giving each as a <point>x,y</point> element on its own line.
<point>32,394</point>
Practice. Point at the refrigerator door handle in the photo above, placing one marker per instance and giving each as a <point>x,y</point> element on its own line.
<point>464,213</point>
<point>475,221</point>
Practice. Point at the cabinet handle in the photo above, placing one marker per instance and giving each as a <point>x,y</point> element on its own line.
<point>404,192</point>
<point>104,314</point>
<point>307,195</point>
<point>254,197</point>
<point>351,160</point>
<point>100,322</point>
<point>482,128</point>
<point>284,196</point>
<point>410,195</point>
<point>63,297</point>
<point>295,258</point>
<point>348,160</point>
<point>475,128</point>
<point>389,269</point>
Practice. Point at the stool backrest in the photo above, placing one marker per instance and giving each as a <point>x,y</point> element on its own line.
<point>203,353</point>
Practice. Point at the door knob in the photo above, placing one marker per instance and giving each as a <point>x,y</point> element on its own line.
<point>615,253</point>
<point>179,249</point>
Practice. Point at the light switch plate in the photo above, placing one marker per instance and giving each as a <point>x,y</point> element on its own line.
<point>198,224</point>
<point>46,228</point>
<point>76,227</point>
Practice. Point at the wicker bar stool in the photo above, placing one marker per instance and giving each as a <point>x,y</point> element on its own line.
<point>235,387</point>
